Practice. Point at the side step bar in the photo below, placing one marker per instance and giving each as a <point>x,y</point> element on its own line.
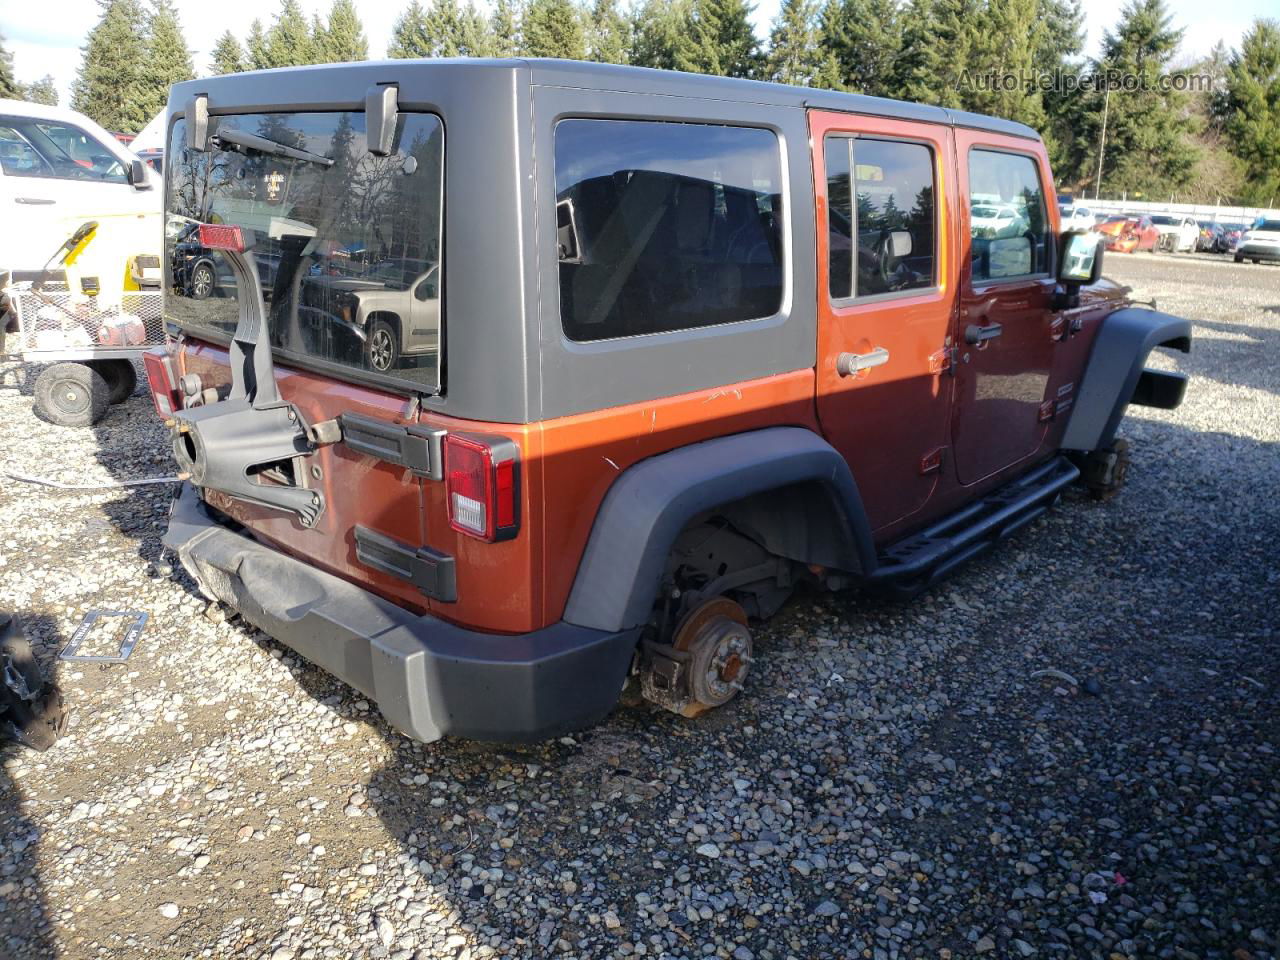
<point>925,557</point>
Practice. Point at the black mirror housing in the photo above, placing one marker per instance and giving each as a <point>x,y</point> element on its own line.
<point>1079,258</point>
<point>138,174</point>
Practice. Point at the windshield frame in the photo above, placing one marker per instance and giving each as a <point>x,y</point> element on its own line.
<point>388,382</point>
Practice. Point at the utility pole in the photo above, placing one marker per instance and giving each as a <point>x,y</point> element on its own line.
<point>1102,146</point>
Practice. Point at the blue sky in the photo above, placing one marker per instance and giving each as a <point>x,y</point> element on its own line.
<point>46,38</point>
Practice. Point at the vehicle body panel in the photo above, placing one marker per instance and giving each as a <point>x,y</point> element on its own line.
<point>581,414</point>
<point>861,414</point>
<point>1000,383</point>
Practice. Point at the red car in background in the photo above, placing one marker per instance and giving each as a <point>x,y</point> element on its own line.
<point>1125,234</point>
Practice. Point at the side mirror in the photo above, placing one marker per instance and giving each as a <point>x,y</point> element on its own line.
<point>138,174</point>
<point>899,244</point>
<point>1080,258</point>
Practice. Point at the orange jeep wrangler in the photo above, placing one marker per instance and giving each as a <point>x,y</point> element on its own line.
<point>533,378</point>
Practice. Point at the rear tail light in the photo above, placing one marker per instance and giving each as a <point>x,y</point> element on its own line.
<point>482,485</point>
<point>220,236</point>
<point>163,381</point>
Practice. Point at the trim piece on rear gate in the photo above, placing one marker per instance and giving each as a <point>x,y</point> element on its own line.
<point>429,570</point>
<point>418,448</point>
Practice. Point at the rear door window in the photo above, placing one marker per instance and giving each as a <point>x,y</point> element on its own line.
<point>1008,228</point>
<point>881,216</point>
<point>666,226</point>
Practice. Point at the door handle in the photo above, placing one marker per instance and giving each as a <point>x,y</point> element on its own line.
<point>34,201</point>
<point>848,364</point>
<point>976,333</point>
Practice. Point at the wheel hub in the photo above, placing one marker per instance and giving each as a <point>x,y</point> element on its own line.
<point>71,398</point>
<point>710,656</point>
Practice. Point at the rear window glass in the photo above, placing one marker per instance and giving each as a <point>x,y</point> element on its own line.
<point>347,244</point>
<point>666,226</point>
<point>889,207</point>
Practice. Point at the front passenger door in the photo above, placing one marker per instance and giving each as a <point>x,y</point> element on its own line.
<point>1005,335</point>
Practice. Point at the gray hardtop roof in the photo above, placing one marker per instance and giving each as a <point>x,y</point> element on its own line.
<point>297,86</point>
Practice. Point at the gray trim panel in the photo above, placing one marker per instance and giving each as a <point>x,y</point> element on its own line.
<point>504,361</point>
<point>1115,366</point>
<point>650,503</point>
<point>579,377</point>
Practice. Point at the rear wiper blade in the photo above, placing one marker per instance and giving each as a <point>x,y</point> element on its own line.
<point>252,141</point>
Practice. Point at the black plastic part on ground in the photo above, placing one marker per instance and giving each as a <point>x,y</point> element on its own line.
<point>31,710</point>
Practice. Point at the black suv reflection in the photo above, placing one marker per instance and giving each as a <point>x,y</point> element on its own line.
<point>199,273</point>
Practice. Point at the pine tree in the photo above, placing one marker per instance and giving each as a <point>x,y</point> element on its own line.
<point>1009,45</point>
<point>794,54</point>
<point>504,28</point>
<point>610,34</point>
<point>657,30</point>
<point>409,36</point>
<point>719,40</point>
<point>228,56</point>
<point>168,59</point>
<point>1062,39</point>
<point>289,42</point>
<point>1148,147</point>
<point>42,91</point>
<point>256,47</point>
<point>863,38</point>
<point>109,87</point>
<point>917,68</point>
<point>343,39</point>
<point>1252,110</point>
<point>9,89</point>
<point>554,28</point>
<point>445,29</point>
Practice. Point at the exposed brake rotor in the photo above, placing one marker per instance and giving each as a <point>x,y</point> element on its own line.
<point>715,636</point>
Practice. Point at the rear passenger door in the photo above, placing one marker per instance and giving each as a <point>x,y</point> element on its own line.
<point>885,302</point>
<point>1006,330</point>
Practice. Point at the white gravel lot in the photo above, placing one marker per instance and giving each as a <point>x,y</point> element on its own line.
<point>892,784</point>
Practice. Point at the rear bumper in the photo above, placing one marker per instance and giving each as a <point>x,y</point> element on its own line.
<point>429,677</point>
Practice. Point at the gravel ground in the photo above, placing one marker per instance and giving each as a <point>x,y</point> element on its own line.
<point>894,783</point>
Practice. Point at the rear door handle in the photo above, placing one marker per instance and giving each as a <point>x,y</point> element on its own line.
<point>848,364</point>
<point>34,201</point>
<point>975,333</point>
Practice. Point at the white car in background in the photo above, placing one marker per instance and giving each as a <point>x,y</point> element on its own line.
<point>59,169</point>
<point>1076,218</point>
<point>996,220</point>
<point>1260,242</point>
<point>1177,233</point>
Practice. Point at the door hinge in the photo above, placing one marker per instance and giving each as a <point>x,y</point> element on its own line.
<point>932,462</point>
<point>429,570</point>
<point>941,361</point>
<point>412,446</point>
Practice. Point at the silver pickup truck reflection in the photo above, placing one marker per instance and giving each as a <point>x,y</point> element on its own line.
<point>393,310</point>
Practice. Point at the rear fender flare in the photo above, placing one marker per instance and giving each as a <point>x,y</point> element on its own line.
<point>651,502</point>
<point>1114,368</point>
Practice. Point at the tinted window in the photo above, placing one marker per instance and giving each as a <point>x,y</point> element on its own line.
<point>348,252</point>
<point>890,210</point>
<point>1010,237</point>
<point>666,226</point>
<point>47,148</point>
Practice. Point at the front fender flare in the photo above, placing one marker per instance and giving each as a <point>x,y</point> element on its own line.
<point>652,501</point>
<point>1114,369</point>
